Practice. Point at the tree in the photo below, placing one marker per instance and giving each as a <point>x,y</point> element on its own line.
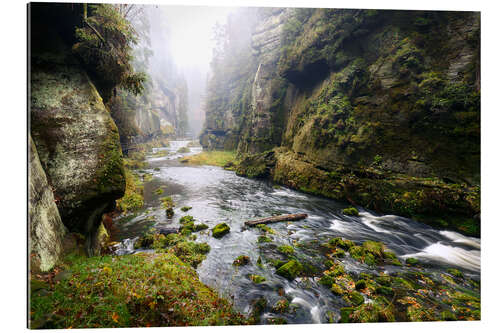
<point>105,43</point>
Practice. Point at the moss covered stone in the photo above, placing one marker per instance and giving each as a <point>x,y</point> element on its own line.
<point>290,270</point>
<point>350,211</point>
<point>286,249</point>
<point>257,278</point>
<point>220,230</point>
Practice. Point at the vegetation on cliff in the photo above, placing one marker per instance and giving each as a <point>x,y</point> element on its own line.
<point>377,108</point>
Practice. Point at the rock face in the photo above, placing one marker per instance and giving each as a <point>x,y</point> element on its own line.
<point>46,228</point>
<point>379,108</point>
<point>77,140</point>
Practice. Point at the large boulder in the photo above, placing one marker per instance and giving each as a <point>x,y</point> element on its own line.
<point>77,140</point>
<point>46,228</point>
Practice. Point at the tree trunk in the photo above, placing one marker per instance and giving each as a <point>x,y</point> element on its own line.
<point>280,218</point>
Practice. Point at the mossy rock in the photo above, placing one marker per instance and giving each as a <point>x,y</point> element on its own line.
<point>412,261</point>
<point>350,211</point>
<point>336,289</point>
<point>384,280</point>
<point>199,227</point>
<point>220,230</point>
<point>286,249</point>
<point>158,191</point>
<point>241,260</point>
<point>186,219</point>
<point>257,278</point>
<point>355,298</point>
<point>345,314</point>
<point>383,290</point>
<point>338,253</point>
<point>186,208</point>
<point>360,284</point>
<point>290,270</point>
<point>375,248</point>
<point>327,280</point>
<point>264,239</point>
<point>169,212</point>
<point>455,272</point>
<point>344,244</point>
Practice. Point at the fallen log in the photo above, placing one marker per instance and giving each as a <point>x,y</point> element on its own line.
<point>279,218</point>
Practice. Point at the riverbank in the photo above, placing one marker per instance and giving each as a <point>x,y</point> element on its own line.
<point>137,290</point>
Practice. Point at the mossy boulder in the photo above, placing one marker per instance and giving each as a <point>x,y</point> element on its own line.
<point>186,208</point>
<point>220,230</point>
<point>77,140</point>
<point>350,211</point>
<point>290,270</point>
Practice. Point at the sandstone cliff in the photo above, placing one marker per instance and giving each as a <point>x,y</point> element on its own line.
<point>379,108</point>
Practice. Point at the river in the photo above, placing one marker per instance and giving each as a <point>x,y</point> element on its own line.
<point>217,195</point>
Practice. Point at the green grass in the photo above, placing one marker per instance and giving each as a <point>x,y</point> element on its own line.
<point>111,291</point>
<point>213,157</point>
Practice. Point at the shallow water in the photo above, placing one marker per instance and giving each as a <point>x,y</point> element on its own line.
<point>218,195</point>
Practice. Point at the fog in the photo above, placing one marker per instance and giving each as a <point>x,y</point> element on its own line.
<point>181,39</point>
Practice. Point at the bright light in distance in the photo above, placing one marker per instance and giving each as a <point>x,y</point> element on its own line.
<point>191,32</point>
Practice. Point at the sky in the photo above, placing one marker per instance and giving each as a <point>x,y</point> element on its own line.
<point>191,30</point>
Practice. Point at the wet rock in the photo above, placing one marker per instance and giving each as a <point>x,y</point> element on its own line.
<point>290,270</point>
<point>220,230</point>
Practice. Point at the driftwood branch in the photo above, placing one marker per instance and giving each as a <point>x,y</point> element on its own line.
<point>280,218</point>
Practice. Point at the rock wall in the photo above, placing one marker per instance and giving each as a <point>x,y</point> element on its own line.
<point>379,108</point>
<point>77,140</point>
<point>45,226</point>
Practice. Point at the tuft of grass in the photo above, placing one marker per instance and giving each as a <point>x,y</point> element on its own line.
<point>213,157</point>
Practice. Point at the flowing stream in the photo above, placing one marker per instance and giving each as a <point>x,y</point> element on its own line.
<point>217,195</point>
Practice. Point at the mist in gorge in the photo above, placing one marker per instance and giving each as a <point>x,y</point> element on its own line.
<point>202,166</point>
<point>181,40</point>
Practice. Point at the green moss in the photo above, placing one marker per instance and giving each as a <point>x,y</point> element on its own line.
<point>257,279</point>
<point>354,298</point>
<point>220,230</point>
<point>110,290</point>
<point>345,314</point>
<point>340,242</point>
<point>186,219</point>
<point>265,228</point>
<point>286,249</point>
<point>290,270</point>
<point>383,290</point>
<point>412,261</point>
<point>158,191</point>
<point>199,227</point>
<point>186,208</point>
<point>336,289</point>
<point>350,211</point>
<point>455,273</point>
<point>360,284</point>
<point>264,239</point>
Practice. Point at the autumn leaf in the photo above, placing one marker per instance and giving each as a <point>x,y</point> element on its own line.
<point>115,317</point>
